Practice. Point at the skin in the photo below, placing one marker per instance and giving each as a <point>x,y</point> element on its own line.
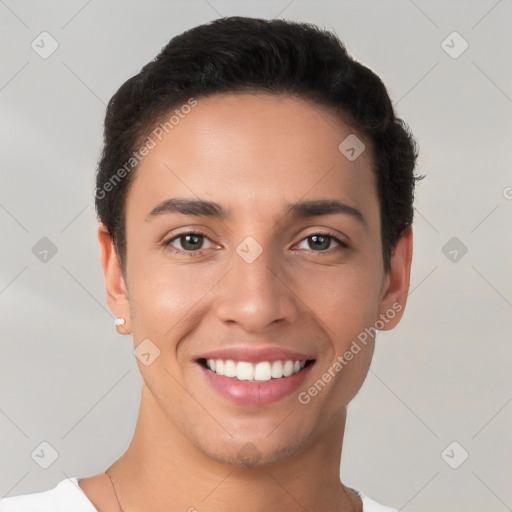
<point>272,150</point>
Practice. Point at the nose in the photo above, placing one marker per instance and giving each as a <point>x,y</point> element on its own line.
<point>256,294</point>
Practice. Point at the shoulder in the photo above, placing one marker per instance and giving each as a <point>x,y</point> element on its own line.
<point>370,505</point>
<point>65,495</point>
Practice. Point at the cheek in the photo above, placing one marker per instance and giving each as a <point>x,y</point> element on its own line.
<point>349,306</point>
<point>345,300</point>
<point>345,303</point>
<point>164,295</point>
<point>165,302</point>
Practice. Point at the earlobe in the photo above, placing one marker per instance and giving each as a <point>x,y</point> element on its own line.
<point>115,286</point>
<point>396,282</point>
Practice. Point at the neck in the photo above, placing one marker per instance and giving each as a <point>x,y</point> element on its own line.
<point>162,471</point>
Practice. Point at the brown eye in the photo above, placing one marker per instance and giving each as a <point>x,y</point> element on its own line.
<point>321,242</point>
<point>189,243</point>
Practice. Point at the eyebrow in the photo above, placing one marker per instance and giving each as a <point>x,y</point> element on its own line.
<point>312,208</point>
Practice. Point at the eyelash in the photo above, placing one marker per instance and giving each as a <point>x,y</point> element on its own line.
<point>167,243</point>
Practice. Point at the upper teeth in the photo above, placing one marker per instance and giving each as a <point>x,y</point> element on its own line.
<point>265,370</point>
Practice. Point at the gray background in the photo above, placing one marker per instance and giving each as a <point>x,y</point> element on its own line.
<point>442,375</point>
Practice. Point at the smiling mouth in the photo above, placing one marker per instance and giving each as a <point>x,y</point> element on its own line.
<point>255,372</point>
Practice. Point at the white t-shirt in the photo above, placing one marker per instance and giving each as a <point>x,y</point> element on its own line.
<point>67,496</point>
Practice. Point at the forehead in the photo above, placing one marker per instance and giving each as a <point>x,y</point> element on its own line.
<point>254,152</point>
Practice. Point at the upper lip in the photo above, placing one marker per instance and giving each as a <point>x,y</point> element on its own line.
<point>254,354</point>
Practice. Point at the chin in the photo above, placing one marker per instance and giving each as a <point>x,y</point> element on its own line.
<point>252,453</point>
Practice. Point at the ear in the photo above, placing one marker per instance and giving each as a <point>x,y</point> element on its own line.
<point>117,291</point>
<point>396,283</point>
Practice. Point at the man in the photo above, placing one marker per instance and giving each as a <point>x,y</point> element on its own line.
<point>255,203</point>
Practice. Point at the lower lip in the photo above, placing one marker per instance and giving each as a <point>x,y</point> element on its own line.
<point>255,393</point>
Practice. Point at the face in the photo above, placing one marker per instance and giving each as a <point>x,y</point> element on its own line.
<point>252,300</point>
